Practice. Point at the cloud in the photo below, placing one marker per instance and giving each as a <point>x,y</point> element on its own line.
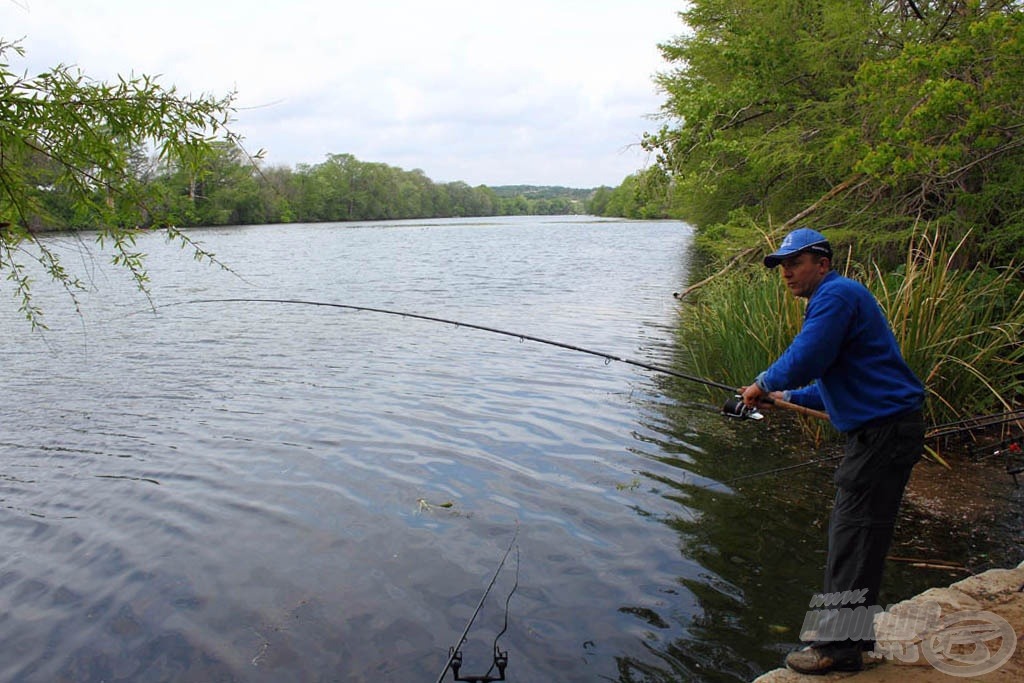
<point>485,92</point>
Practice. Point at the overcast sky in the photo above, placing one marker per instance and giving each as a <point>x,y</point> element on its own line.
<point>554,92</point>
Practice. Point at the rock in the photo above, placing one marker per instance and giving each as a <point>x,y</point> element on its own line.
<point>994,586</point>
<point>981,616</point>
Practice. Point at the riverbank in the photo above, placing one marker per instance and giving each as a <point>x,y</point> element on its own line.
<point>972,627</point>
<point>978,500</point>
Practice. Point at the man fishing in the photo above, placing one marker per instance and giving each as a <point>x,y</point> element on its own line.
<point>846,360</point>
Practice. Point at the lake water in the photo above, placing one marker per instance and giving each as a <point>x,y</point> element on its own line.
<point>281,492</point>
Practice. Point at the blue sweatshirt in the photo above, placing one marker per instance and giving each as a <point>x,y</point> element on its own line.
<point>846,345</point>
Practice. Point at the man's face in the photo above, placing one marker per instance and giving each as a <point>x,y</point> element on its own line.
<point>803,272</point>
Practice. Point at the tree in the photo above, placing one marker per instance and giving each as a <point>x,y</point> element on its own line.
<point>65,135</point>
<point>597,204</point>
<point>773,103</point>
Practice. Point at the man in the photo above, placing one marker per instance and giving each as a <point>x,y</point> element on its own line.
<point>845,360</point>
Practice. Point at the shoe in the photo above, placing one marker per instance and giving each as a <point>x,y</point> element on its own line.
<point>817,661</point>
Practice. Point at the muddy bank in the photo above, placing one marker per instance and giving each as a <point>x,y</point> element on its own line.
<point>975,508</point>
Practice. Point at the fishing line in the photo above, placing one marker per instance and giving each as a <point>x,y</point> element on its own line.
<point>1008,415</point>
<point>972,423</point>
<point>945,429</point>
<point>779,470</point>
<point>498,655</point>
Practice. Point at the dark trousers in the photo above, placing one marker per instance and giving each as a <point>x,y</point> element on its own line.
<point>869,487</point>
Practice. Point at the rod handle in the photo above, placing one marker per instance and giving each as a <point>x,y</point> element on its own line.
<point>810,412</point>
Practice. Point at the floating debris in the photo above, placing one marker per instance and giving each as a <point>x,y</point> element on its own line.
<point>426,506</point>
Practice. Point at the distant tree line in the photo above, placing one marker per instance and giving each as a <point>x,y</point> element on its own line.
<point>226,187</point>
<point>113,157</point>
<point>636,197</point>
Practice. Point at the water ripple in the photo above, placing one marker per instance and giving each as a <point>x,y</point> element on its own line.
<point>284,493</point>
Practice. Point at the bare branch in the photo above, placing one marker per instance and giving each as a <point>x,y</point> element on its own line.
<point>848,184</point>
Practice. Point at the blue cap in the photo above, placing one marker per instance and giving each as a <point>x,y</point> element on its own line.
<point>798,241</point>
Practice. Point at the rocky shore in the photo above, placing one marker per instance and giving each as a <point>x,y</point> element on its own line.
<point>970,630</point>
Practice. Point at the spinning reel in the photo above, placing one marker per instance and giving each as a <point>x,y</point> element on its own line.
<point>736,408</point>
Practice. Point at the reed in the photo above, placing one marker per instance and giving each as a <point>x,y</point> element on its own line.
<point>960,329</point>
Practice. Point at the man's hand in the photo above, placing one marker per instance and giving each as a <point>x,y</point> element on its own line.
<point>751,395</point>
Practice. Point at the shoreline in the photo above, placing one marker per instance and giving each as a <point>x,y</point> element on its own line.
<point>972,496</point>
<point>937,619</point>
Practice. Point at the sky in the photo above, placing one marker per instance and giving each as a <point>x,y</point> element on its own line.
<point>555,92</point>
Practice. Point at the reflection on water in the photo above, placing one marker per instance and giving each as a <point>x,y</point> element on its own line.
<point>258,492</point>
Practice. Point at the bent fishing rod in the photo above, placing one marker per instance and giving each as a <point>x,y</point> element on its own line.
<point>733,409</point>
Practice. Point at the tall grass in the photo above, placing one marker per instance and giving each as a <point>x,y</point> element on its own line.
<point>959,329</point>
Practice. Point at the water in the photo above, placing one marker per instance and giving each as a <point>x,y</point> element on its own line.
<point>269,492</point>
